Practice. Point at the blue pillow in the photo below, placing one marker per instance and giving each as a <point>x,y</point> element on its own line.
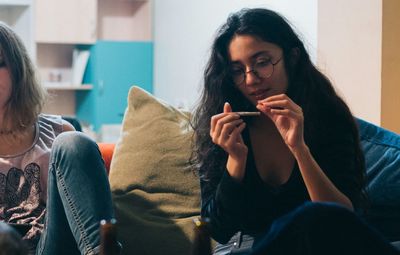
<point>382,158</point>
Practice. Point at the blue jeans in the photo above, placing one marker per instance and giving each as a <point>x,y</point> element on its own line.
<point>78,197</point>
<point>239,244</point>
<point>313,228</point>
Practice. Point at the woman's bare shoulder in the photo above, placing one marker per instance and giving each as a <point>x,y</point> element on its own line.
<point>66,126</point>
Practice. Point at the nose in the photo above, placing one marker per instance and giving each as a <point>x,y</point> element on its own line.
<point>251,77</point>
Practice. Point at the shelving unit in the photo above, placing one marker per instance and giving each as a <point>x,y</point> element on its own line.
<point>15,2</point>
<point>61,27</point>
<point>66,22</point>
<point>67,86</point>
<point>114,68</point>
<point>18,14</point>
<point>118,34</point>
<point>119,59</point>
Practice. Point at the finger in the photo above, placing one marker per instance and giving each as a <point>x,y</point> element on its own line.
<point>228,128</point>
<point>277,102</point>
<point>218,117</point>
<point>264,109</point>
<point>283,112</point>
<point>283,104</point>
<point>271,113</point>
<point>215,118</point>
<point>223,130</point>
<point>276,114</point>
<point>275,97</point>
<point>279,99</point>
<point>227,107</point>
<point>236,135</point>
<point>272,98</point>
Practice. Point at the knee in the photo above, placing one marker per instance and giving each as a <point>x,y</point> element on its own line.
<point>74,145</point>
<point>318,213</point>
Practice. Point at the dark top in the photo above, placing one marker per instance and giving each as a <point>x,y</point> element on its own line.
<point>252,205</point>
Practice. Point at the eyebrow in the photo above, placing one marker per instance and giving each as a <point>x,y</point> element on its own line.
<point>261,53</point>
<point>254,56</point>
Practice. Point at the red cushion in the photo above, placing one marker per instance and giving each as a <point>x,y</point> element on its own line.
<point>107,150</point>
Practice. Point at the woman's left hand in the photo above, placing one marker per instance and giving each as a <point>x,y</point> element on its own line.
<point>287,116</point>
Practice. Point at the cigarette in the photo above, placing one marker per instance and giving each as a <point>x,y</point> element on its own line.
<point>248,114</point>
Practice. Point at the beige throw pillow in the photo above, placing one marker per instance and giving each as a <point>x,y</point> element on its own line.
<point>156,195</point>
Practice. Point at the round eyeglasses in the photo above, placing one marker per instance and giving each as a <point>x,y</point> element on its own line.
<point>262,69</point>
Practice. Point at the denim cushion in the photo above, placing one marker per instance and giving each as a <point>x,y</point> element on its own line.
<point>382,157</point>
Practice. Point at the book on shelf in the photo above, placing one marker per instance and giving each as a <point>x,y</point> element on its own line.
<point>79,62</point>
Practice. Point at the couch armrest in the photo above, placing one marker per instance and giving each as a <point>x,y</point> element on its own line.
<point>381,148</point>
<point>107,151</point>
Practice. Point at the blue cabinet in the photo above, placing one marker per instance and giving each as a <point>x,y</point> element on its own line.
<point>113,68</point>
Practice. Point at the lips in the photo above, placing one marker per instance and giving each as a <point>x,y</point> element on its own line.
<point>259,94</point>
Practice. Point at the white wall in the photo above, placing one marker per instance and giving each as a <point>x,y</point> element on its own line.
<point>20,18</point>
<point>350,52</point>
<point>183,32</point>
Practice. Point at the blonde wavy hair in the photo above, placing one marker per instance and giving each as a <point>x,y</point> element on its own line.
<point>27,95</point>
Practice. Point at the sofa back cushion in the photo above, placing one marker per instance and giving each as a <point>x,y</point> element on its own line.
<point>382,157</point>
<point>107,151</point>
<point>155,192</point>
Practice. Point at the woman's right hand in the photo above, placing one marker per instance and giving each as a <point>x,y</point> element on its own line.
<point>226,129</point>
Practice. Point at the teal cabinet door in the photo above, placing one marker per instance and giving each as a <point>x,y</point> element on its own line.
<point>113,68</point>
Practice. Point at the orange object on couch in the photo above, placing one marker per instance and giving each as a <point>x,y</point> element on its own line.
<point>107,151</point>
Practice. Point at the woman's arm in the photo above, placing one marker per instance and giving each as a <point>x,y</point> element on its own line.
<point>226,131</point>
<point>289,120</point>
<point>222,199</point>
<point>66,126</point>
<point>223,205</point>
<point>319,186</point>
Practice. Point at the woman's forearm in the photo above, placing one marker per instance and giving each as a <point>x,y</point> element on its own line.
<point>319,186</point>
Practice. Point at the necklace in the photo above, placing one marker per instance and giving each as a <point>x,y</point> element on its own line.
<point>13,132</point>
<point>6,132</point>
<point>19,130</point>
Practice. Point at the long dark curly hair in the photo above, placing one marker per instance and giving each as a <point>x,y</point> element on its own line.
<point>307,87</point>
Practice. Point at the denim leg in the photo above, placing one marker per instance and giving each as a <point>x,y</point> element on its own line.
<point>239,244</point>
<point>78,197</point>
<point>226,249</point>
<point>322,228</point>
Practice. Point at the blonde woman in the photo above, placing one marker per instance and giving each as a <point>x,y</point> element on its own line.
<point>53,185</point>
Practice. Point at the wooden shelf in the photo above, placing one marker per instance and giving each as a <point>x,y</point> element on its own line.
<point>66,86</point>
<point>15,2</point>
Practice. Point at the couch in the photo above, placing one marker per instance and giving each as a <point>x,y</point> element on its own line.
<point>382,158</point>
<point>157,195</point>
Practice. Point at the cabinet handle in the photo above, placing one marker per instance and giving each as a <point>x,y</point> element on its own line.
<point>101,87</point>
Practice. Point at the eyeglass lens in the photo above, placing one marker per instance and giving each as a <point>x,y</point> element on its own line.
<point>262,70</point>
